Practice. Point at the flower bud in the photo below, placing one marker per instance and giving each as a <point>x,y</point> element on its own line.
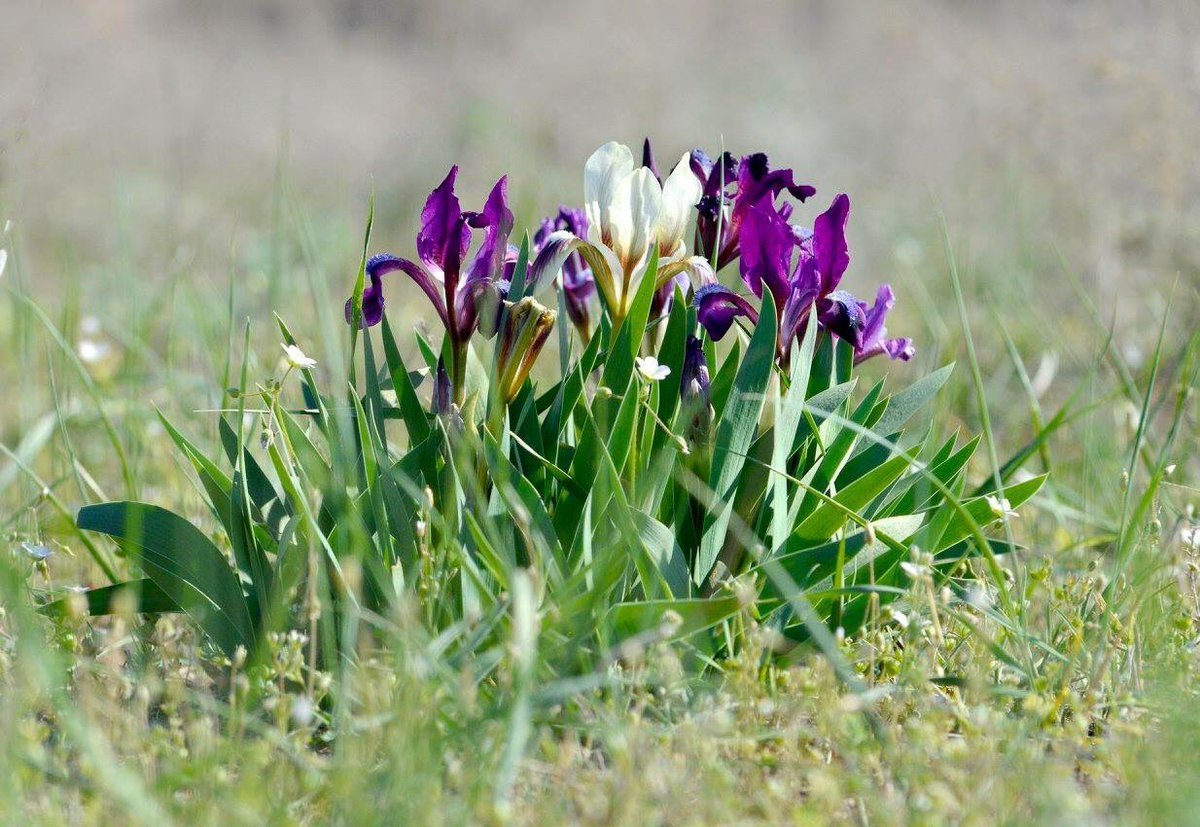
<point>527,326</point>
<point>694,391</point>
<point>442,392</point>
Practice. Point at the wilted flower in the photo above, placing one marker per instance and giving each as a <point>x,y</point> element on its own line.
<point>527,325</point>
<point>296,357</point>
<point>629,215</point>
<point>730,190</point>
<point>650,369</point>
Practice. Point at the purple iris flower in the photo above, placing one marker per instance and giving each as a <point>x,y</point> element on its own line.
<point>578,284</point>
<point>742,186</point>
<point>456,288</point>
<point>874,335</point>
<point>802,270</point>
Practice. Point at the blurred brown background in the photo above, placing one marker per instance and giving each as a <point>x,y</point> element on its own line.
<point>161,134</point>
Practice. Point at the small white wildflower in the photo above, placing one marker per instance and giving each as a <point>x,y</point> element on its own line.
<point>920,566</point>
<point>900,618</point>
<point>913,570</point>
<point>37,551</point>
<point>1000,507</point>
<point>1043,378</point>
<point>297,358</point>
<point>649,367</point>
<point>302,711</point>
<point>3,260</point>
<point>1189,537</point>
<point>92,351</point>
<point>979,597</point>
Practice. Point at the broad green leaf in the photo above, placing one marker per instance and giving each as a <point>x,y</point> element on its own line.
<point>147,597</point>
<point>787,423</point>
<point>659,543</point>
<point>415,418</point>
<point>738,425</point>
<point>183,563</point>
<point>828,517</point>
<point>670,619</point>
<point>902,405</point>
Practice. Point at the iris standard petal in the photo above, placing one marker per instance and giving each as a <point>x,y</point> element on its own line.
<point>496,220</point>
<point>633,213</point>
<point>444,235</point>
<point>679,195</point>
<point>874,340</point>
<point>604,170</point>
<point>874,329</point>
<point>830,253</point>
<point>766,258</point>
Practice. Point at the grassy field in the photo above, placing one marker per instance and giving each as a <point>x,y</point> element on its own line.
<point>194,174</point>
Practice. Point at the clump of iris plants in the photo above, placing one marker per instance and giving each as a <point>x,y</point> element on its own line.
<point>641,422</point>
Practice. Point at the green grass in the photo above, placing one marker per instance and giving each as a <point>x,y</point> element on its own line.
<point>1060,690</point>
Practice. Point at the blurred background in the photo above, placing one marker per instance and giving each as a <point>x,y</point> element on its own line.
<point>155,156</point>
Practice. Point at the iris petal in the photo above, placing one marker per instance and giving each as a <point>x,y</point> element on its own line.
<point>496,220</point>
<point>378,267</point>
<point>717,306</point>
<point>830,254</point>
<point>767,243</point>
<point>844,316</point>
<point>444,235</point>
